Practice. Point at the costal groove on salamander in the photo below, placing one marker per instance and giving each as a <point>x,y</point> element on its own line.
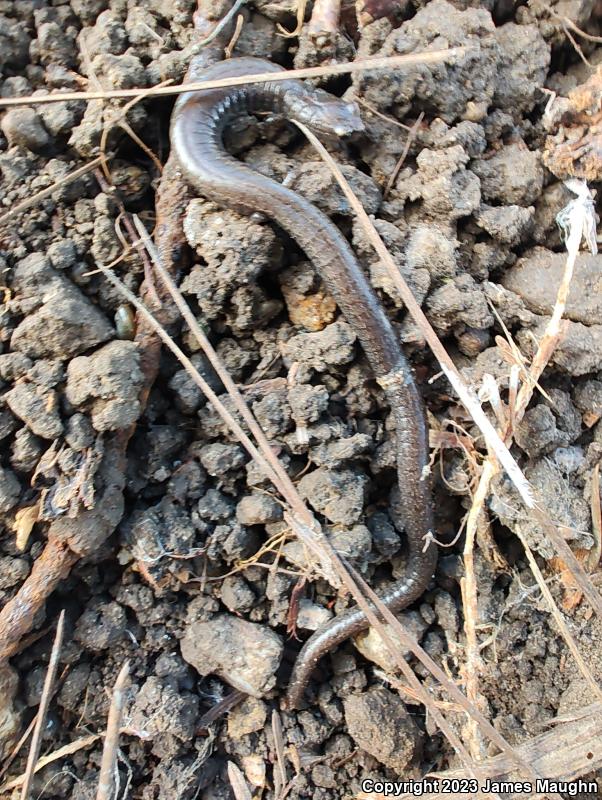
<point>198,123</point>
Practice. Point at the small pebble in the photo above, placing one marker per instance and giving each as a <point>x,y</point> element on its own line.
<point>24,127</point>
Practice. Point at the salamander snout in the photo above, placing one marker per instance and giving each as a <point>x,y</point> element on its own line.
<point>326,114</point>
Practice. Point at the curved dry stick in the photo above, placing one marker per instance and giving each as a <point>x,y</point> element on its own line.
<point>17,616</point>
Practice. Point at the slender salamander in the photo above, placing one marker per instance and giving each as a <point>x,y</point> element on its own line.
<point>197,128</point>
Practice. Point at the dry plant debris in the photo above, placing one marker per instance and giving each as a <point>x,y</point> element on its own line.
<point>574,146</point>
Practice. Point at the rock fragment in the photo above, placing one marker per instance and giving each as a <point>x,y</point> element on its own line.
<point>380,724</point>
<point>243,654</point>
<point>101,626</point>
<point>371,645</point>
<point>338,495</point>
<point>258,509</point>
<point>536,278</point>
<point>108,382</point>
<point>524,58</point>
<point>319,351</point>
<point>512,176</point>
<point>24,127</point>
<point>65,325</point>
<point>161,709</point>
<point>10,489</point>
<point>37,407</point>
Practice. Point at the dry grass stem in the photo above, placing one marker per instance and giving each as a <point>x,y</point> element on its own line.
<point>449,685</point>
<point>49,191</point>
<point>472,664</point>
<point>573,748</point>
<point>238,782</point>
<point>62,752</point>
<point>279,774</point>
<point>36,739</point>
<point>108,765</point>
<point>221,24</point>
<point>301,519</point>
<point>596,551</point>
<point>301,6</point>
<point>280,477</point>
<point>412,133</point>
<point>362,65</point>
<point>16,749</point>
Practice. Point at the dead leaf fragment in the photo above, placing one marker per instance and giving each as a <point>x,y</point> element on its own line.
<point>25,519</point>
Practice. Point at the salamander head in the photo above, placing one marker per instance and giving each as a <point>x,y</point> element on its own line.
<point>325,114</point>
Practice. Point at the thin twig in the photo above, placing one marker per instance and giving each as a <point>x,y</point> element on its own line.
<point>301,6</point>
<point>119,117</point>
<point>221,24</point>
<point>385,117</point>
<point>136,242</point>
<point>568,22</point>
<point>66,750</point>
<point>362,65</point>
<point>36,739</point>
<point>404,153</point>
<point>44,193</point>
<point>577,47</point>
<point>108,764</point>
<point>219,709</point>
<point>596,507</point>
<point>229,48</point>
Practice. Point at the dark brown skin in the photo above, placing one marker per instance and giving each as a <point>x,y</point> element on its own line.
<point>197,128</point>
